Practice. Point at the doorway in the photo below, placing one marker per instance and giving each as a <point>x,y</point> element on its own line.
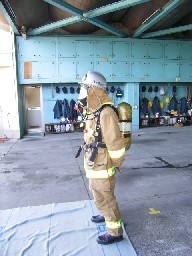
<point>33,108</point>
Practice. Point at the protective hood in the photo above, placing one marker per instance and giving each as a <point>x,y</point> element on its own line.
<point>82,99</point>
<point>96,98</point>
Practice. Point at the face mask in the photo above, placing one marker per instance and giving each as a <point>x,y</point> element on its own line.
<point>82,99</point>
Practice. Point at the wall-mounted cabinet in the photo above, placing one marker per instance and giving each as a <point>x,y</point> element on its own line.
<point>171,70</point>
<point>84,49</point>
<point>175,51</point>
<point>118,59</point>
<point>120,50</point>
<point>185,71</point>
<point>67,69</point>
<point>104,67</point>
<point>147,50</point>
<point>82,67</point>
<point>103,49</point>
<point>66,48</point>
<point>33,50</point>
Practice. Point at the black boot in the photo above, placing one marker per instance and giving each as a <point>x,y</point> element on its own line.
<point>108,239</point>
<point>97,219</point>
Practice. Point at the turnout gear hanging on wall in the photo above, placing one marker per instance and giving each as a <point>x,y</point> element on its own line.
<point>144,106</point>
<point>66,110</point>
<point>156,106</point>
<point>173,104</point>
<point>183,106</point>
<point>72,112</point>
<point>58,109</point>
<point>109,155</point>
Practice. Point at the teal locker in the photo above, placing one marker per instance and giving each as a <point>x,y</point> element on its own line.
<point>67,69</point>
<point>139,70</point>
<point>154,50</point>
<point>105,68</point>
<point>139,49</point>
<point>46,48</point>
<point>27,50</point>
<point>171,71</point>
<point>155,71</point>
<point>83,66</point>
<point>172,51</point>
<point>121,69</point>
<point>185,51</point>
<point>84,49</point>
<point>120,50</point>
<point>185,71</point>
<point>103,49</point>
<point>66,48</point>
<point>45,69</point>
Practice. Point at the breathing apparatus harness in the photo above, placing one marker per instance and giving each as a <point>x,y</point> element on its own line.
<point>98,138</point>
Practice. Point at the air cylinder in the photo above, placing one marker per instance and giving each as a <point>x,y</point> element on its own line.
<point>125,122</point>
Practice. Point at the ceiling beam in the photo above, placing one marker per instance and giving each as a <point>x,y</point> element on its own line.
<point>65,7</point>
<point>54,25</point>
<point>167,31</point>
<point>158,15</point>
<point>106,27</point>
<point>9,16</point>
<point>112,7</point>
<point>75,11</point>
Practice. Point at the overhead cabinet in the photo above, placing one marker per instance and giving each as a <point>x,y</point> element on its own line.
<point>67,59</point>
<point>175,51</point>
<point>146,50</point>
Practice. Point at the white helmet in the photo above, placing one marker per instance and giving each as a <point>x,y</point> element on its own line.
<point>94,78</point>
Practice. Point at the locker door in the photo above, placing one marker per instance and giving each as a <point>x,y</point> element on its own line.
<point>185,72</point>
<point>139,70</point>
<point>104,68</point>
<point>172,51</point>
<point>66,48</point>
<point>121,69</point>
<point>46,48</point>
<point>103,49</point>
<point>185,51</point>
<point>154,50</point>
<point>46,70</point>
<point>67,69</point>
<point>139,50</point>
<point>155,71</point>
<point>84,49</point>
<point>171,71</point>
<point>120,49</point>
<point>83,67</point>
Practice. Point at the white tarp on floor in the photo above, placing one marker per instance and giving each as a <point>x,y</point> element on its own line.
<point>56,230</point>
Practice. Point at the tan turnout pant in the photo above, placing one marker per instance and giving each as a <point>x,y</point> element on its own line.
<point>105,201</point>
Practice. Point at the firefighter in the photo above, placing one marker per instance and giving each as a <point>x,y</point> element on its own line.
<point>104,153</point>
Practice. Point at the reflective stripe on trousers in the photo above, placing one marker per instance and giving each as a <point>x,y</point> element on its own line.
<point>113,224</point>
<point>117,153</point>
<point>100,174</point>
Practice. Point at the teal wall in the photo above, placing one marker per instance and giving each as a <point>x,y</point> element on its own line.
<point>130,94</point>
<point>126,63</point>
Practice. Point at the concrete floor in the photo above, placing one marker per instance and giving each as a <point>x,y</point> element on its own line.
<point>154,192</point>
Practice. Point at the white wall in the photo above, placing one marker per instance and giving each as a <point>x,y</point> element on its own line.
<point>9,114</point>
